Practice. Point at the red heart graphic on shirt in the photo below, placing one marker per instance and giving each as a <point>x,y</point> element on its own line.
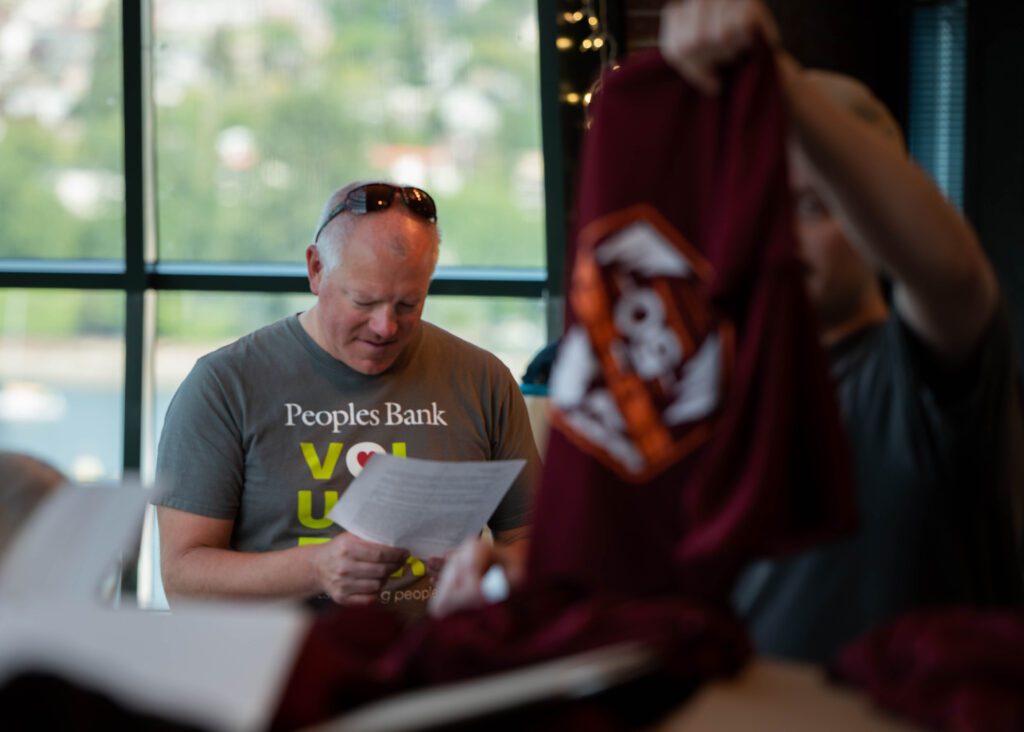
<point>364,457</point>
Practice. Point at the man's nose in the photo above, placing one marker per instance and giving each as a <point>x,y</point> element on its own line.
<point>383,322</point>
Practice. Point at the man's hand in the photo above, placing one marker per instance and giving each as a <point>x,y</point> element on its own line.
<point>699,36</point>
<point>352,571</point>
<point>459,586</point>
<point>435,565</point>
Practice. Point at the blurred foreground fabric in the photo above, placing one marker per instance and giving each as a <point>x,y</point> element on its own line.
<point>959,669</point>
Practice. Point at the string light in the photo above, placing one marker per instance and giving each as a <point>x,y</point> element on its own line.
<point>595,13</point>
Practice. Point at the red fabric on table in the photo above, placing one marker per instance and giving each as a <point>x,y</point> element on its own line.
<point>357,655</point>
<point>336,669</point>
<point>765,472</point>
<point>959,669</point>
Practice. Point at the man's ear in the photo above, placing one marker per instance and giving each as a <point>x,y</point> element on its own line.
<point>314,268</point>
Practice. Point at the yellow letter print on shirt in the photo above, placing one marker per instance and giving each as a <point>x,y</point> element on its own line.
<point>306,517</point>
<point>324,470</point>
<point>416,566</point>
<point>321,470</point>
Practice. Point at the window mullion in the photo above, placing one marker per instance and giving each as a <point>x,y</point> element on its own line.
<point>134,65</point>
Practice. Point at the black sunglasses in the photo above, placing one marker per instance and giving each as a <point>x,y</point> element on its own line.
<point>378,197</point>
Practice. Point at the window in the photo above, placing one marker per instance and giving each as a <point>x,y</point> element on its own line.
<point>938,91</point>
<point>62,378</point>
<point>163,163</point>
<point>263,108</point>
<point>61,180</point>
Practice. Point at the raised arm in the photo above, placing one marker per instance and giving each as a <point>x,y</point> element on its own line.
<point>889,210</point>
<point>892,213</point>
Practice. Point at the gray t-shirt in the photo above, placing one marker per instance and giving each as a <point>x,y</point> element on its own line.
<point>270,430</point>
<point>940,481</point>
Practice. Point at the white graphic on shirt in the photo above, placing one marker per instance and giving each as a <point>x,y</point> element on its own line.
<point>639,378</point>
<point>592,413</point>
<point>697,392</point>
<point>653,348</point>
<point>359,454</point>
<point>392,414</point>
<point>641,248</point>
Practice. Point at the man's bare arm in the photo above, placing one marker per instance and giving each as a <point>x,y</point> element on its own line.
<point>945,288</point>
<point>891,212</point>
<point>197,561</point>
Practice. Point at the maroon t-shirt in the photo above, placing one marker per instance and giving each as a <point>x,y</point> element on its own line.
<point>695,425</point>
<point>953,668</point>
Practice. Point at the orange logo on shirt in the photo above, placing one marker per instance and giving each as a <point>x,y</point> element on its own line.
<point>638,381</point>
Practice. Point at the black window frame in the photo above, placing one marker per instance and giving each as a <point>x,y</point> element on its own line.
<point>141,272</point>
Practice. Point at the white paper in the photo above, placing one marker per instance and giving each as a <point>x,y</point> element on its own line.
<point>425,506</point>
<point>218,666</point>
<point>72,542</point>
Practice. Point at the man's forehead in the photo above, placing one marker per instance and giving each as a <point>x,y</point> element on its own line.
<point>385,244</point>
<point>394,228</point>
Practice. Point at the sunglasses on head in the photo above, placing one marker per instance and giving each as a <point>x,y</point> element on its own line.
<point>378,197</point>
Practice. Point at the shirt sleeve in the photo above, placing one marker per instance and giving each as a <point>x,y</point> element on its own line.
<point>201,459</point>
<point>512,438</point>
<point>985,378</point>
<point>977,413</point>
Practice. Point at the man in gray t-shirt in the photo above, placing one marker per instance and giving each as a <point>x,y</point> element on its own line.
<point>265,434</point>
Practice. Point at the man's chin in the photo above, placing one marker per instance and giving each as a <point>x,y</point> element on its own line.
<point>374,363</point>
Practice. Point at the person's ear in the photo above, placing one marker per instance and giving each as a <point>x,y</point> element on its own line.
<point>314,268</point>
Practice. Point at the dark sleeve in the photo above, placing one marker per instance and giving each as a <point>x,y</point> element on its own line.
<point>200,459</point>
<point>980,405</point>
<point>988,372</point>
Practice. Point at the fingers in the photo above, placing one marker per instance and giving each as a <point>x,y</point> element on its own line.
<point>459,585</point>
<point>351,546</point>
<point>356,570</point>
<point>357,599</point>
<point>435,565</point>
<point>764,23</point>
<point>351,569</point>
<point>683,45</point>
<point>360,585</point>
<point>698,37</point>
